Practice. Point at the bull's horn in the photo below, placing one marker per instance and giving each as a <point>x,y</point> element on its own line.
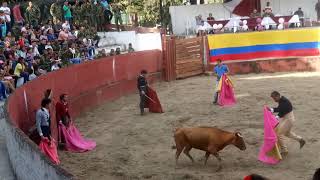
<point>239,134</point>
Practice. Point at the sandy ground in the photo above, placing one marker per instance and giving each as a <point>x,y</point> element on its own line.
<point>134,147</point>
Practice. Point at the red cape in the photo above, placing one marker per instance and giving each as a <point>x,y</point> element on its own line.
<point>154,105</point>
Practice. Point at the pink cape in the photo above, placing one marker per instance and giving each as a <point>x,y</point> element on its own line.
<point>270,139</point>
<point>226,95</point>
<point>49,150</point>
<point>74,140</point>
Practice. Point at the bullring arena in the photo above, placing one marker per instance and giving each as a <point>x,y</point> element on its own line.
<point>263,53</point>
<point>134,147</point>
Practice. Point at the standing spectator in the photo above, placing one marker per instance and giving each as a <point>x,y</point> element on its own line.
<point>85,12</point>
<point>43,121</point>
<point>76,10</point>
<point>107,13</point>
<point>117,15</point>
<point>55,11</point>
<point>100,17</point>
<point>67,12</point>
<point>32,14</point>
<point>16,11</point>
<point>7,13</point>
<point>3,24</point>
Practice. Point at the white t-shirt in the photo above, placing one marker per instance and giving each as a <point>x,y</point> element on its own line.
<point>7,11</point>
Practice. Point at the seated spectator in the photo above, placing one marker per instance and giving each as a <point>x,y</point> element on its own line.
<point>130,49</point>
<point>112,53</point>
<point>66,25</point>
<point>32,76</point>
<point>316,175</point>
<point>63,35</point>
<point>210,18</point>
<point>58,26</point>
<point>50,35</point>
<point>255,14</point>
<point>56,65</point>
<point>268,13</point>
<point>118,51</point>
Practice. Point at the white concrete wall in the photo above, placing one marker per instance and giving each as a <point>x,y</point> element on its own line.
<point>140,42</point>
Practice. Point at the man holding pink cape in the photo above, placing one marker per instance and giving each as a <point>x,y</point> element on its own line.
<point>286,117</point>
<point>269,152</point>
<point>68,133</point>
<point>219,70</point>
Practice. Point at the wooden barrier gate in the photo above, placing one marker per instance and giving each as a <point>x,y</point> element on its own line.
<point>183,57</point>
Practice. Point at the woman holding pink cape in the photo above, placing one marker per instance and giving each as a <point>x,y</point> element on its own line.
<point>68,133</point>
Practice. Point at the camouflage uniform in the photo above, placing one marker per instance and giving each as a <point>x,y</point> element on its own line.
<point>86,12</point>
<point>33,15</point>
<point>94,15</point>
<point>117,15</point>
<point>100,19</point>
<point>77,15</point>
<point>44,12</point>
<point>56,12</point>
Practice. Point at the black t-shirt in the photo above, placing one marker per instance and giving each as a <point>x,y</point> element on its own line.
<point>284,107</point>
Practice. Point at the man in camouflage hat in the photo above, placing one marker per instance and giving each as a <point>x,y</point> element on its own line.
<point>32,14</point>
<point>56,11</point>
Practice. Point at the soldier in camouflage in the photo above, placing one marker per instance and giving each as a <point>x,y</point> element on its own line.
<point>77,15</point>
<point>101,17</point>
<point>32,14</point>
<point>86,12</point>
<point>56,12</point>
<point>94,15</point>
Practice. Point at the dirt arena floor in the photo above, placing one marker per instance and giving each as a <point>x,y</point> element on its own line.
<point>134,147</point>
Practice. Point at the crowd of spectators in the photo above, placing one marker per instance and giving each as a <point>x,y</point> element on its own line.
<point>30,47</point>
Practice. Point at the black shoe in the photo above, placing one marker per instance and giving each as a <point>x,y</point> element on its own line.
<point>302,143</point>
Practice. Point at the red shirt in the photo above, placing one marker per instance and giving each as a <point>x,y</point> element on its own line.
<point>62,110</point>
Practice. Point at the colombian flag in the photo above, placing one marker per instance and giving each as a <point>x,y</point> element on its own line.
<point>266,44</point>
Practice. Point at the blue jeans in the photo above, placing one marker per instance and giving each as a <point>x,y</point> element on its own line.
<point>2,91</point>
<point>75,60</point>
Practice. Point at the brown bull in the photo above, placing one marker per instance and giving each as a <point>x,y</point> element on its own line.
<point>208,139</point>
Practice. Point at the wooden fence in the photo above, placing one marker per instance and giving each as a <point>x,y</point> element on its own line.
<point>183,57</point>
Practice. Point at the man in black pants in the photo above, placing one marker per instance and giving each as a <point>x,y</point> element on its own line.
<point>43,120</point>
<point>142,87</point>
